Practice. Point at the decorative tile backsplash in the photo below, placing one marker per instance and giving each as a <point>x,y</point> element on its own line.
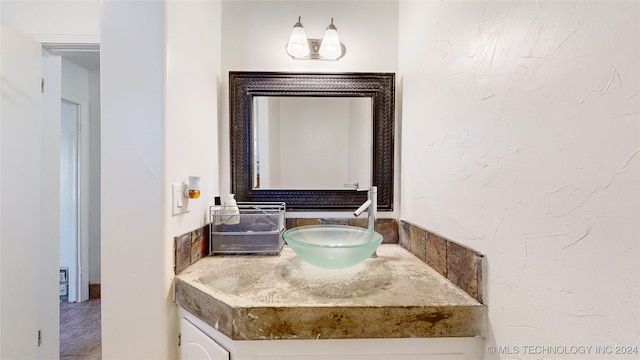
<point>190,247</point>
<point>461,265</point>
<point>388,228</point>
<point>194,245</point>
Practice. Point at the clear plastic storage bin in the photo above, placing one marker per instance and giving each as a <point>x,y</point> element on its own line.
<point>259,230</point>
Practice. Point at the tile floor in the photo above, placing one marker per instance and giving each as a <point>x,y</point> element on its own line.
<point>80,330</point>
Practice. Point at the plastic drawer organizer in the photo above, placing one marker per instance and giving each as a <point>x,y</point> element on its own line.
<point>259,230</point>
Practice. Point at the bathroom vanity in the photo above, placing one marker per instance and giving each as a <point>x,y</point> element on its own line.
<point>279,307</point>
<point>393,306</point>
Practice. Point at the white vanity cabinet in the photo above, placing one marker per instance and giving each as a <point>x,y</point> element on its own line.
<point>208,343</point>
<point>195,344</point>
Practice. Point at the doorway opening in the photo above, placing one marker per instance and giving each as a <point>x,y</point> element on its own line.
<point>72,76</point>
<point>72,287</point>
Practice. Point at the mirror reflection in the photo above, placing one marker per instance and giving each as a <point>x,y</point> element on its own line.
<point>302,142</point>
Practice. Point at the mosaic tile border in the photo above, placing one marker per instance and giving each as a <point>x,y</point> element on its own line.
<point>461,265</point>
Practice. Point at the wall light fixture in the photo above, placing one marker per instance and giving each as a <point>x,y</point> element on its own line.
<point>327,48</point>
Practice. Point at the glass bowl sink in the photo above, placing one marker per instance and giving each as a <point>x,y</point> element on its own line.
<point>332,246</point>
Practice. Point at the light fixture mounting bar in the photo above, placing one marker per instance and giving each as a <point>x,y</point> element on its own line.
<point>314,51</point>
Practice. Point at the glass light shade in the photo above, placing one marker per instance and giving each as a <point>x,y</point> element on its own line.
<point>330,47</point>
<point>298,45</point>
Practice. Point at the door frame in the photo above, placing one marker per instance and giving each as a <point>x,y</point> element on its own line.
<point>59,46</point>
<point>78,275</point>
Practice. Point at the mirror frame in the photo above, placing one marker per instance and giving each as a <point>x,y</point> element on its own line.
<point>380,87</point>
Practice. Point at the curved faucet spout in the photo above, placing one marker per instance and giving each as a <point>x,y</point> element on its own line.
<point>372,205</point>
<point>362,208</point>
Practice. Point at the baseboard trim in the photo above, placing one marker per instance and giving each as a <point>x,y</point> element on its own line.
<point>94,291</point>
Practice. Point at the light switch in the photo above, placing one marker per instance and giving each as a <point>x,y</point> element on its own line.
<point>179,202</point>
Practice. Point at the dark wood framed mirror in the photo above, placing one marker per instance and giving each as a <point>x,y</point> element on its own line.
<point>246,87</point>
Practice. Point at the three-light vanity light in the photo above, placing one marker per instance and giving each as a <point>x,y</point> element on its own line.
<point>327,48</point>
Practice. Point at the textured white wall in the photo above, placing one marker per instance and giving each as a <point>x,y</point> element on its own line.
<point>520,138</point>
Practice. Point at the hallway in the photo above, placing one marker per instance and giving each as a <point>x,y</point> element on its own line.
<point>80,330</point>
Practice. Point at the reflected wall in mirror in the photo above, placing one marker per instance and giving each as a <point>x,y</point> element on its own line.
<point>256,171</point>
<point>302,142</point>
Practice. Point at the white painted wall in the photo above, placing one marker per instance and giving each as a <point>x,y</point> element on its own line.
<point>29,220</point>
<point>192,82</point>
<point>521,139</point>
<point>255,34</point>
<point>136,278</point>
<point>75,21</point>
<point>191,129</point>
<point>156,130</point>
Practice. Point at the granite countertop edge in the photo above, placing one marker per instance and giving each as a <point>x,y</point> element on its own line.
<point>460,317</point>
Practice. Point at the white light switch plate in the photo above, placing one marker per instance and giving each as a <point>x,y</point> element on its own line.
<point>179,202</point>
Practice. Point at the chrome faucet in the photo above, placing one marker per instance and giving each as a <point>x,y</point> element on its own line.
<point>372,205</point>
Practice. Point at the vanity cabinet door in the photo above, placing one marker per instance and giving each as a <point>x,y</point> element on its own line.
<point>196,345</point>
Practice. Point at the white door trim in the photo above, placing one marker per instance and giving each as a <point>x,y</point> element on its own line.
<point>68,45</point>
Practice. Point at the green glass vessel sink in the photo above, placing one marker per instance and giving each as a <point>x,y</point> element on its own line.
<point>332,246</point>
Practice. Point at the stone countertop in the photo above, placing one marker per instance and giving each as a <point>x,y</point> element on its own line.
<point>281,297</point>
